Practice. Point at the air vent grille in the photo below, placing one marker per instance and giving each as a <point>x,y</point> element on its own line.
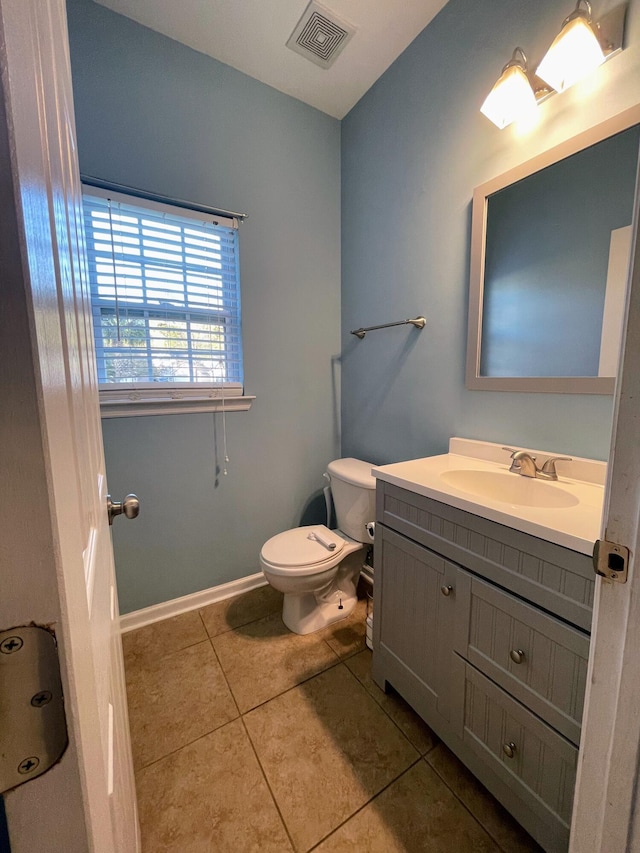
<point>320,35</point>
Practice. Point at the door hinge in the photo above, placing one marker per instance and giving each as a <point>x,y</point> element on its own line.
<point>33,727</point>
<point>611,560</point>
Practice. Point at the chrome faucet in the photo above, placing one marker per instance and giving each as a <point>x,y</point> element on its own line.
<point>524,463</point>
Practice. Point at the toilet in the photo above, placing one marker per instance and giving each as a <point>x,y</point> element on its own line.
<point>317,569</point>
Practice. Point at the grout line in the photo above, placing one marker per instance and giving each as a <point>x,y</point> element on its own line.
<point>404,735</point>
<point>382,708</point>
<point>236,627</point>
<point>364,805</point>
<point>203,625</point>
<point>287,689</point>
<point>266,780</point>
<point>293,687</point>
<point>226,680</point>
<point>145,661</point>
<point>205,734</point>
<point>466,807</point>
<point>184,745</point>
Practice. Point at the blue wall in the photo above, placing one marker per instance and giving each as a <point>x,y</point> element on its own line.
<point>155,114</point>
<point>413,149</point>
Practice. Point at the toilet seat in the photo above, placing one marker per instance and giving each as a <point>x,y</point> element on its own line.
<point>294,553</point>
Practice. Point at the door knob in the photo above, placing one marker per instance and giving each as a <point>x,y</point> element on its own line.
<point>130,506</point>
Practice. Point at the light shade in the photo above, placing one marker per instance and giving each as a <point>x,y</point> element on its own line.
<point>574,54</point>
<point>511,99</point>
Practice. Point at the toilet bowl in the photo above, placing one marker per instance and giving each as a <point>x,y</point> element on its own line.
<point>319,584</point>
<point>317,569</point>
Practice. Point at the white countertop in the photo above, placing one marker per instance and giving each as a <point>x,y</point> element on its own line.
<point>576,527</point>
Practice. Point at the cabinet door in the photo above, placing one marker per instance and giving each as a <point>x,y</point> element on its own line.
<point>414,612</point>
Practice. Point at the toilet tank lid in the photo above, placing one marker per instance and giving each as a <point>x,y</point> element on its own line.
<point>353,471</point>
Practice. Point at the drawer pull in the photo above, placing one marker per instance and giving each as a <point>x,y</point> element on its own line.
<point>516,655</point>
<point>509,749</point>
<point>446,590</point>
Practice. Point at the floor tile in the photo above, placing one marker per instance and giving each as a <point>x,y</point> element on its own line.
<point>416,814</point>
<point>400,712</point>
<point>347,637</point>
<point>242,609</point>
<point>509,835</point>
<point>264,658</point>
<point>174,700</point>
<point>162,638</point>
<point>209,797</point>
<point>326,748</point>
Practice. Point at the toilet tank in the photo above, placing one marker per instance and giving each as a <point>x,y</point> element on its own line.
<point>354,496</point>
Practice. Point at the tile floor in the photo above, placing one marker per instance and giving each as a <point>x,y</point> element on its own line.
<point>247,737</point>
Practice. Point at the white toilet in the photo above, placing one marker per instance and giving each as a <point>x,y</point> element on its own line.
<point>317,569</point>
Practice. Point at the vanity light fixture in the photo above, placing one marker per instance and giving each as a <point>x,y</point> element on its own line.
<point>578,49</point>
<point>512,97</point>
<point>575,52</point>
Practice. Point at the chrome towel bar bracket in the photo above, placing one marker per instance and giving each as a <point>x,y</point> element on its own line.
<point>418,322</point>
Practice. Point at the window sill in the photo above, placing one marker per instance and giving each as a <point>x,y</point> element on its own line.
<point>123,403</point>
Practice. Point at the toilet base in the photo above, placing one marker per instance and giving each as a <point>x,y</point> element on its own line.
<point>313,601</point>
<point>304,614</point>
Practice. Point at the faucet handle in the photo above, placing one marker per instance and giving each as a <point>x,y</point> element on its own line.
<point>516,454</point>
<point>522,462</point>
<point>515,464</point>
<point>549,467</point>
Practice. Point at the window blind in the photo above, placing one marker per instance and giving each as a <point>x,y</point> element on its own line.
<point>165,293</point>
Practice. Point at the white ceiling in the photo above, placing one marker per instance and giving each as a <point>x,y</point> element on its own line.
<point>251,35</point>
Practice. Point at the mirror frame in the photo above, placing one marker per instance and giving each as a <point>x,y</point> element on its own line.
<point>481,194</point>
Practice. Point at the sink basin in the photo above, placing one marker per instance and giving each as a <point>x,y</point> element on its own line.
<point>510,488</point>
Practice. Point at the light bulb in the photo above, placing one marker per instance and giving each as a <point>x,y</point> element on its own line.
<point>574,54</point>
<point>511,99</point>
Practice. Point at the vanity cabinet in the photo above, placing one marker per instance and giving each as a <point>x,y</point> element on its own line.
<point>484,631</point>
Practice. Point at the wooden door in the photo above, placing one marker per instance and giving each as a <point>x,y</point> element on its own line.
<point>57,560</point>
<point>606,813</point>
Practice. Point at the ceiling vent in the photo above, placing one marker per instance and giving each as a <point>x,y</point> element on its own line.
<point>320,35</point>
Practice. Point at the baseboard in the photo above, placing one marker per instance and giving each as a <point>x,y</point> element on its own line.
<point>167,609</point>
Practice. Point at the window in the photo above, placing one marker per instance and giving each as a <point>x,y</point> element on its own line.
<point>165,297</point>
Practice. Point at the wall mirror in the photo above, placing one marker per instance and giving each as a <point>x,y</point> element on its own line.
<point>550,247</point>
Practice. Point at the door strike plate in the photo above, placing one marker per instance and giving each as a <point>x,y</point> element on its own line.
<point>611,560</point>
<point>33,729</point>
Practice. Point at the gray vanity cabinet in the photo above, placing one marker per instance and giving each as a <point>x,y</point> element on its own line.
<point>482,629</point>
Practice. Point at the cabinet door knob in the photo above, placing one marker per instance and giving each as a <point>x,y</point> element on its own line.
<point>516,655</point>
<point>509,749</point>
<point>446,590</point>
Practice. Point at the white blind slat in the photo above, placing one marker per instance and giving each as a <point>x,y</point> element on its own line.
<point>165,292</point>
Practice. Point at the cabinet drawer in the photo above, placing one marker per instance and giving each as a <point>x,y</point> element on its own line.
<point>537,763</point>
<point>556,578</point>
<point>538,659</point>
